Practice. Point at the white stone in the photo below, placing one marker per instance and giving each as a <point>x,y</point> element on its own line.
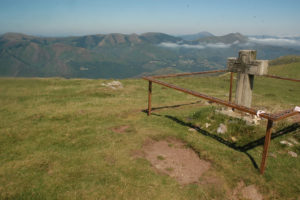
<point>113,85</point>
<point>286,143</point>
<point>293,154</point>
<point>192,130</point>
<point>222,129</point>
<point>207,125</point>
<point>233,139</point>
<point>293,141</point>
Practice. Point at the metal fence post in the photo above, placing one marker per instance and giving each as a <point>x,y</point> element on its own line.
<point>149,97</point>
<point>266,146</point>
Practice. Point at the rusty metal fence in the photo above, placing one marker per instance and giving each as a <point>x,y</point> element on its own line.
<point>269,116</point>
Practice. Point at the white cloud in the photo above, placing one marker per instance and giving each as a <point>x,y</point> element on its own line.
<point>198,46</point>
<point>275,41</point>
<point>176,45</point>
<point>218,45</point>
<point>291,42</point>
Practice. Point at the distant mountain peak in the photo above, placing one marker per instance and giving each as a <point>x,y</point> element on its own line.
<point>196,36</point>
<point>226,39</point>
<point>15,36</point>
<point>157,38</point>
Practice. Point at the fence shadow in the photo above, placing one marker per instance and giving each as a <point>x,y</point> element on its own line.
<point>173,106</point>
<point>244,148</point>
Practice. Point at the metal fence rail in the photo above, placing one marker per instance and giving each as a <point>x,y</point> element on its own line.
<point>269,116</point>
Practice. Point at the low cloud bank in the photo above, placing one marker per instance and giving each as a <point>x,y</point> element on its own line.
<point>198,46</point>
<point>283,42</point>
<point>275,41</point>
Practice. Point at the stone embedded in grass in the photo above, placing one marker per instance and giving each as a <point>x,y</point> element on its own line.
<point>293,154</point>
<point>250,120</point>
<point>293,141</point>
<point>233,139</point>
<point>207,125</point>
<point>284,142</point>
<point>256,120</point>
<point>192,130</point>
<point>113,85</point>
<point>222,129</point>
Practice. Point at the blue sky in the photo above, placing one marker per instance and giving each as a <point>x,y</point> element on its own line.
<point>80,17</point>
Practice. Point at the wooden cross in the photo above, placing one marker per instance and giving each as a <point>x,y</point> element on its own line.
<point>246,66</point>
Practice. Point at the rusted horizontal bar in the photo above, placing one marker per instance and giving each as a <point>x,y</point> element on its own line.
<point>285,114</point>
<point>282,78</point>
<point>213,99</point>
<point>189,74</point>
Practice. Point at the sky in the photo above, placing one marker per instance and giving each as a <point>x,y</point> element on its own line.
<point>176,17</point>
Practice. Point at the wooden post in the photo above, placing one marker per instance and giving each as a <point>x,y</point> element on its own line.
<point>230,88</point>
<point>149,97</point>
<point>266,146</point>
<point>246,66</point>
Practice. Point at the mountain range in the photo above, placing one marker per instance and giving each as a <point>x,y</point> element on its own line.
<point>129,55</point>
<point>191,37</point>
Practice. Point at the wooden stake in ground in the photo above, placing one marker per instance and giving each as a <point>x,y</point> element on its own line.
<point>246,66</point>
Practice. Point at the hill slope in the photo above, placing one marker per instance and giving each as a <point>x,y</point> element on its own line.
<point>226,39</point>
<point>120,55</point>
<point>77,138</point>
<point>285,60</point>
<point>196,36</point>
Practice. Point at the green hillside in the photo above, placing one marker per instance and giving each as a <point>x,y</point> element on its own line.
<point>97,56</point>
<point>227,39</point>
<point>285,60</point>
<point>79,139</point>
<point>120,55</point>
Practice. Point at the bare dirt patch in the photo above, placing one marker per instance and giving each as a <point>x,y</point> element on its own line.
<point>246,192</point>
<point>172,157</point>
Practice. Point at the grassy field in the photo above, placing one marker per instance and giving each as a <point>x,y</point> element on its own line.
<point>57,139</point>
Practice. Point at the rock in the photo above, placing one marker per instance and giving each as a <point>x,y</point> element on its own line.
<point>207,125</point>
<point>113,85</point>
<point>192,130</point>
<point>256,120</point>
<point>293,154</point>
<point>293,141</point>
<point>249,119</point>
<point>222,129</point>
<point>286,143</point>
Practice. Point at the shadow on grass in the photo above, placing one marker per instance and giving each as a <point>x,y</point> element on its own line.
<point>245,148</point>
<point>174,106</point>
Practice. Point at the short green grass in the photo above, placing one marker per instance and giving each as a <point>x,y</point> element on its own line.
<point>57,139</point>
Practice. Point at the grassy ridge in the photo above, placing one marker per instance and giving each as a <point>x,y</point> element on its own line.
<point>285,60</point>
<point>57,139</point>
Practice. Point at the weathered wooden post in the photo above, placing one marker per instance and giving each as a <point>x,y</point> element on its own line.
<point>246,66</point>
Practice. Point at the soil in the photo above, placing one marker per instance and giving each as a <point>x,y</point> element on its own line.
<point>246,192</point>
<point>172,157</point>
